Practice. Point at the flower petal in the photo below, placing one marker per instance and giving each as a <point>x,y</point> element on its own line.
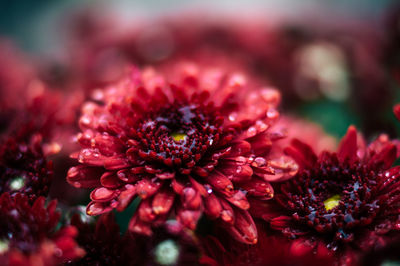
<point>244,229</point>
<point>239,200</point>
<point>220,183</point>
<point>163,201</point>
<point>212,206</point>
<point>348,145</point>
<point>84,177</point>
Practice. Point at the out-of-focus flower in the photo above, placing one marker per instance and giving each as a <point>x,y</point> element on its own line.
<point>347,200</point>
<point>28,234</point>
<point>27,99</point>
<point>15,74</point>
<point>199,145</point>
<point>170,244</point>
<point>23,166</point>
<point>305,131</point>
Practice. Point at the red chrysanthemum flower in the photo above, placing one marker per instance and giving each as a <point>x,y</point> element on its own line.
<point>28,234</point>
<point>200,145</point>
<point>23,166</point>
<point>102,242</point>
<point>347,200</point>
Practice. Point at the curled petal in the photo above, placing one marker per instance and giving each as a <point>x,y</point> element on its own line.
<point>97,208</point>
<point>145,211</point>
<point>102,194</point>
<point>145,188</point>
<point>163,201</point>
<point>236,171</point>
<point>91,157</point>
<point>306,150</point>
<point>199,187</point>
<point>165,175</point>
<point>221,183</point>
<point>188,218</point>
<point>386,157</point>
<point>127,176</point>
<point>283,167</point>
<point>126,197</point>
<point>302,153</point>
<point>239,148</point>
<point>239,200</point>
<point>115,163</point>
<point>348,145</point>
<point>261,144</point>
<point>280,222</point>
<point>110,180</point>
<point>177,186</point>
<point>259,188</point>
<point>84,177</point>
<point>212,206</point>
<point>191,199</point>
<point>244,229</point>
<point>227,213</point>
<point>107,145</point>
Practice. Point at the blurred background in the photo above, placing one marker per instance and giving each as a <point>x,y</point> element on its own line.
<point>360,98</point>
<point>32,23</point>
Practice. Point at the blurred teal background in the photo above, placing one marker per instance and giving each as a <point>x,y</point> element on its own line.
<point>29,22</point>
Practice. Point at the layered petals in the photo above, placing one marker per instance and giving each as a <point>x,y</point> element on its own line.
<point>29,235</point>
<point>347,201</point>
<point>186,140</point>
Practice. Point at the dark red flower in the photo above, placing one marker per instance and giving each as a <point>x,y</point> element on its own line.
<point>348,200</point>
<point>199,145</point>
<point>102,242</point>
<point>28,234</point>
<point>23,166</point>
<point>169,245</point>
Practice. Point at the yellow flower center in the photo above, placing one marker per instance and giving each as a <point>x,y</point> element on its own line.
<point>178,136</point>
<point>332,202</point>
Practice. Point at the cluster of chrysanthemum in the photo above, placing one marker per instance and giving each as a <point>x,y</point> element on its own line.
<point>184,135</point>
